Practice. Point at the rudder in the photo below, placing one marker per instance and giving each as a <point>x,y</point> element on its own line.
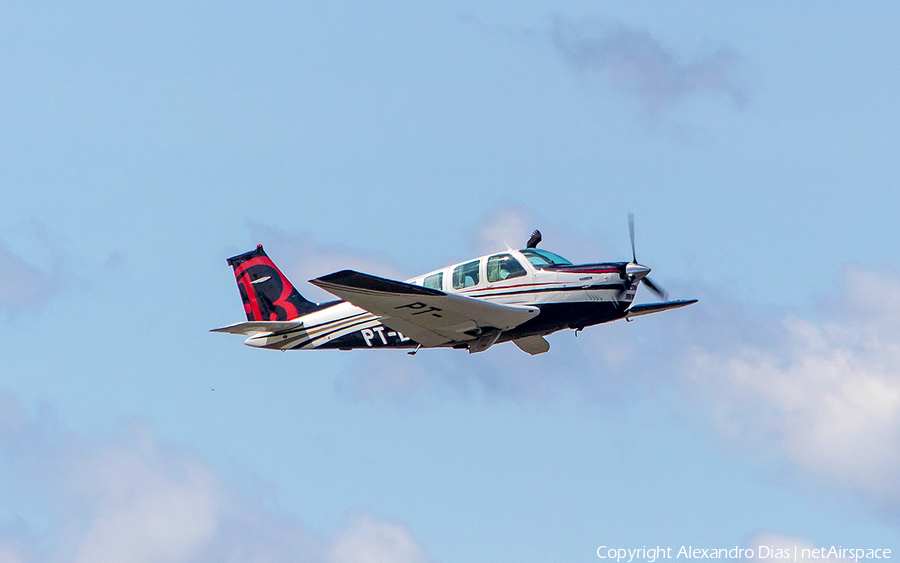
<point>266,292</point>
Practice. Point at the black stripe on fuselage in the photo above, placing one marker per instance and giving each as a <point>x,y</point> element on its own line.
<point>598,268</point>
<point>341,328</point>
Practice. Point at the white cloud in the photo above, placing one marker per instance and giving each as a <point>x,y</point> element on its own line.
<point>136,499</point>
<point>8,554</point>
<point>371,541</point>
<point>148,505</point>
<point>821,394</point>
<point>23,285</point>
<point>639,63</point>
<point>513,224</point>
<point>510,225</point>
<point>828,392</point>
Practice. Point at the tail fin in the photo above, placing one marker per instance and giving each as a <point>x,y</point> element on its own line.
<point>266,292</point>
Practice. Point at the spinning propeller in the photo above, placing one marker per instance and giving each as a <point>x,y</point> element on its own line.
<point>634,270</point>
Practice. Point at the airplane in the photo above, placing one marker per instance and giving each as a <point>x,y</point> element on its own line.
<point>514,295</point>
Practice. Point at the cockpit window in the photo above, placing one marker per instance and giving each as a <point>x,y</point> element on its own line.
<point>503,267</point>
<point>465,275</point>
<point>540,258</point>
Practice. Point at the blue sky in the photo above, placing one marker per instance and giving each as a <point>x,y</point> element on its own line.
<point>141,145</point>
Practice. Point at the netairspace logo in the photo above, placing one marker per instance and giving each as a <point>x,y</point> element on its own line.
<point>795,554</point>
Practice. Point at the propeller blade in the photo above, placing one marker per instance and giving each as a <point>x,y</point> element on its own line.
<point>631,232</point>
<point>661,293</point>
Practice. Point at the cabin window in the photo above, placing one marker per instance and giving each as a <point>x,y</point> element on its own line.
<point>465,275</point>
<point>435,281</point>
<point>503,267</point>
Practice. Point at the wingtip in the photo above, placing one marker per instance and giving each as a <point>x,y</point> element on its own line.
<point>335,277</point>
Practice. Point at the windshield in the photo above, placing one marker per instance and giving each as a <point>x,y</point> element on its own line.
<point>540,258</point>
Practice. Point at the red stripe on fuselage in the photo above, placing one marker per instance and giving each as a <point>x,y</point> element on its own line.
<point>509,286</point>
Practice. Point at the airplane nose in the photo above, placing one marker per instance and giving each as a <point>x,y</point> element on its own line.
<point>636,271</point>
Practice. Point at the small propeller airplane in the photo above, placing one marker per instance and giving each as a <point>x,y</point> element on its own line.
<point>518,295</point>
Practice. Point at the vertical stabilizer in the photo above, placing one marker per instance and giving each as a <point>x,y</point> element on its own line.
<point>266,292</point>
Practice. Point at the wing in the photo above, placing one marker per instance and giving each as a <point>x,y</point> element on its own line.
<point>638,310</point>
<point>428,316</point>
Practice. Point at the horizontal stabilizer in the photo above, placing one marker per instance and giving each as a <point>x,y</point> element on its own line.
<point>428,316</point>
<point>638,310</point>
<point>259,327</point>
